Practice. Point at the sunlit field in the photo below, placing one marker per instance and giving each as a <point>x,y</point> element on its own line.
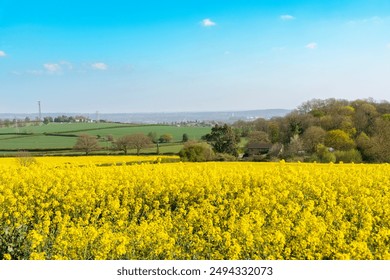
<point>84,160</point>
<point>82,211</point>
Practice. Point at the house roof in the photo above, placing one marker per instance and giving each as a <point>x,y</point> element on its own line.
<point>259,145</point>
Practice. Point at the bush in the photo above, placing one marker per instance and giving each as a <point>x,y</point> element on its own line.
<point>196,152</point>
<point>348,156</point>
<point>324,155</point>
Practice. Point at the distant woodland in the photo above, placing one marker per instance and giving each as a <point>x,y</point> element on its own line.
<point>331,130</point>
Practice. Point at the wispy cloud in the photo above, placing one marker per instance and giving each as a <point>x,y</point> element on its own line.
<point>2,54</point>
<point>33,72</point>
<point>99,66</point>
<point>311,46</point>
<point>287,17</point>
<point>388,45</point>
<point>67,65</point>
<point>52,67</point>
<point>208,22</point>
<point>371,20</point>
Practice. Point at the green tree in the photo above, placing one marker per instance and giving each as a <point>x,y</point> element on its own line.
<point>223,139</point>
<point>339,140</point>
<point>258,136</point>
<point>364,117</point>
<point>324,155</point>
<point>294,148</point>
<point>380,141</point>
<point>348,156</point>
<point>185,138</point>
<point>153,136</point>
<point>196,152</point>
<point>47,120</point>
<point>313,136</point>
<point>364,145</point>
<point>165,138</point>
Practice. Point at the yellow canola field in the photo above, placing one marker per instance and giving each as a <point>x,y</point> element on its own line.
<point>84,160</point>
<point>195,211</point>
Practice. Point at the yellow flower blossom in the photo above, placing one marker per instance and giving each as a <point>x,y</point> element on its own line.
<point>93,208</point>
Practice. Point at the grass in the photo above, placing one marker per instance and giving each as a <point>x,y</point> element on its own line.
<point>194,133</point>
<point>59,127</point>
<point>37,138</point>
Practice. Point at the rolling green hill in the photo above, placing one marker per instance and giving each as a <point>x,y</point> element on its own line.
<point>62,136</point>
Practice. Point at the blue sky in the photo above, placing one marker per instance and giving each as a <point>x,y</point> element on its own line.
<point>167,56</point>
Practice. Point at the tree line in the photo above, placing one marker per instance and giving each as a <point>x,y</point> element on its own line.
<point>46,120</point>
<point>330,130</point>
<point>138,141</point>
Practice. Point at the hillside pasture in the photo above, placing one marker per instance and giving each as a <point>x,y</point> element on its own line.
<point>56,136</point>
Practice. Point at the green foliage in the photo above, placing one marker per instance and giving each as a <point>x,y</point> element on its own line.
<point>153,136</point>
<point>258,137</point>
<point>348,156</point>
<point>364,145</point>
<point>196,152</point>
<point>324,155</point>
<point>386,117</point>
<point>313,136</point>
<point>295,147</point>
<point>380,141</point>
<point>274,132</point>
<point>339,140</point>
<point>165,138</point>
<point>223,140</point>
<point>55,137</point>
<point>185,138</point>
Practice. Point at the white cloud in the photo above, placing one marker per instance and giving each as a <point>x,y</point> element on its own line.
<point>99,66</point>
<point>52,67</point>
<point>208,22</point>
<point>287,17</point>
<point>388,45</point>
<point>2,54</point>
<point>312,45</point>
<point>67,64</point>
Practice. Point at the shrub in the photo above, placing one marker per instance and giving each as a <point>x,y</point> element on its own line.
<point>348,156</point>
<point>196,152</point>
<point>324,155</point>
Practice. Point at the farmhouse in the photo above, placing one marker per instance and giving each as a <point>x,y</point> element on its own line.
<point>258,148</point>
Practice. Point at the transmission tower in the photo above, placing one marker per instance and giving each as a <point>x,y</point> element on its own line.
<point>39,111</point>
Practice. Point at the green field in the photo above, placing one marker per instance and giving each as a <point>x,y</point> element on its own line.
<point>41,138</point>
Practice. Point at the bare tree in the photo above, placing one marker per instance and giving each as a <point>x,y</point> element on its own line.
<point>86,143</point>
<point>136,141</point>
